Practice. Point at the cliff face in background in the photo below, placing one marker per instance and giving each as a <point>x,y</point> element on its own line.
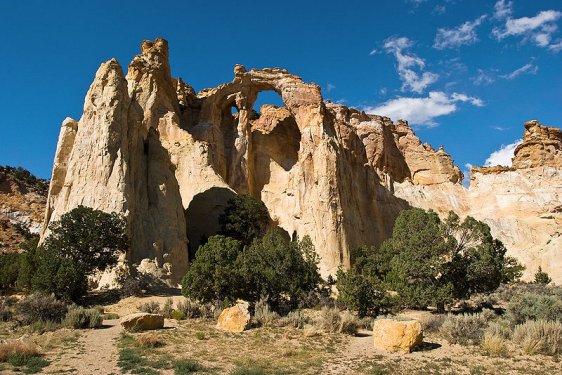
<point>22,203</point>
<point>148,146</point>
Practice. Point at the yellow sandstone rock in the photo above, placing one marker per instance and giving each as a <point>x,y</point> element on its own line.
<point>234,319</point>
<point>396,335</point>
<point>142,322</point>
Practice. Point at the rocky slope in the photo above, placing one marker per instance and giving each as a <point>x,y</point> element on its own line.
<point>147,145</point>
<point>22,205</point>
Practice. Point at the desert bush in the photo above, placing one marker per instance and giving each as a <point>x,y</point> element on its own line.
<point>151,307</point>
<point>295,319</point>
<point>167,308</point>
<point>500,327</point>
<point>78,317</point>
<point>263,315</point>
<point>177,315</point>
<point>494,345</point>
<point>464,329</point>
<point>432,323</point>
<point>508,292</point>
<point>186,366</point>
<point>539,337</point>
<point>41,307</point>
<point>529,306</point>
<point>189,308</point>
<point>149,340</point>
<point>6,308</point>
<point>329,320</point>
<point>348,323</point>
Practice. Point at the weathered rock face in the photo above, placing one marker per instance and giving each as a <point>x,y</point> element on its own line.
<point>397,335</point>
<point>22,203</point>
<point>523,204</point>
<point>148,146</point>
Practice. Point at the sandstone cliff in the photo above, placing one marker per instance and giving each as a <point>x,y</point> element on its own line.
<point>147,145</point>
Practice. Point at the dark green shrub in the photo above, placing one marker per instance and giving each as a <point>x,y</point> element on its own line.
<point>277,269</point>
<point>527,306</point>
<point>83,241</point>
<point>40,307</point>
<point>78,317</point>
<point>186,366</point>
<point>359,293</point>
<point>244,219</point>
<point>214,274</point>
<point>91,238</point>
<point>542,277</point>
<point>9,270</point>
<point>59,275</point>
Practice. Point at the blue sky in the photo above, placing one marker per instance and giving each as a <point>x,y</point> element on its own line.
<point>467,74</point>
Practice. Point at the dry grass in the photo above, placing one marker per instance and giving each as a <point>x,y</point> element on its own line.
<point>494,345</point>
<point>17,348</point>
<point>539,337</point>
<point>149,340</point>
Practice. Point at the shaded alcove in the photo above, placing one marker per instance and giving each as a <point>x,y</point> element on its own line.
<point>202,215</point>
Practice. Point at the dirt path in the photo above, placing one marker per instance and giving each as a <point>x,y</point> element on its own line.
<point>95,352</point>
<point>359,348</point>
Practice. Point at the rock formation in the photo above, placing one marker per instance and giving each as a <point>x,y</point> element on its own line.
<point>148,146</point>
<point>22,203</point>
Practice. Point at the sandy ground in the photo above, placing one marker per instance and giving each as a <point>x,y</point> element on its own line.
<point>95,352</point>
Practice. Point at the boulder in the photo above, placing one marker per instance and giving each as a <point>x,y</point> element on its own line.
<point>142,322</point>
<point>397,335</point>
<point>234,319</point>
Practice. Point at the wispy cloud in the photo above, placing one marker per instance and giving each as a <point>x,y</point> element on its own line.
<point>463,34</point>
<point>499,128</point>
<point>525,69</point>
<point>408,63</point>
<point>539,29</point>
<point>503,156</point>
<point>483,78</point>
<point>503,9</point>
<point>374,51</point>
<point>423,111</point>
<point>439,9</point>
<point>330,87</point>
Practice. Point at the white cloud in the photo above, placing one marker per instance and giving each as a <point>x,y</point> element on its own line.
<point>502,156</point>
<point>463,34</point>
<point>556,47</point>
<point>383,91</point>
<point>483,78</point>
<point>525,69</point>
<point>499,128</point>
<point>374,51</point>
<point>539,28</point>
<point>503,9</point>
<point>330,87</point>
<point>422,111</point>
<point>407,62</point>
